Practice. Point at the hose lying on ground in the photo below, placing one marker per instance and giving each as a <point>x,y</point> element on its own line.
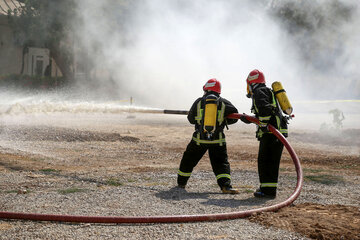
<point>177,218</point>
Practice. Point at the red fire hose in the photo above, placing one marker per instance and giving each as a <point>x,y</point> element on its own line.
<point>178,218</point>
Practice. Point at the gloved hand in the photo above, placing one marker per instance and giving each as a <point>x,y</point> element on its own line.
<point>264,129</point>
<point>244,119</point>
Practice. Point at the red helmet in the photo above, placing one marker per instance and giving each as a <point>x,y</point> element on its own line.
<point>212,85</point>
<point>255,76</point>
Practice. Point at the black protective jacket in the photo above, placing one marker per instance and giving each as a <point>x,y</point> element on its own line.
<point>225,108</point>
<point>267,110</point>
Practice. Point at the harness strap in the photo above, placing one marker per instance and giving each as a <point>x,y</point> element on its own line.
<point>279,91</point>
<point>220,119</point>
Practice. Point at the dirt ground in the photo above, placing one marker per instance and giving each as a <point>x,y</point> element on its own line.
<point>36,146</point>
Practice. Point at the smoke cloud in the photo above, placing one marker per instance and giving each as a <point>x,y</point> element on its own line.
<point>162,52</point>
<point>324,38</point>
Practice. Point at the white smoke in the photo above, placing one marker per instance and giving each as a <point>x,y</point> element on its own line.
<point>325,36</point>
<point>162,52</point>
<point>171,48</point>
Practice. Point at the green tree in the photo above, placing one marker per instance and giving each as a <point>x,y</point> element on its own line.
<point>48,24</point>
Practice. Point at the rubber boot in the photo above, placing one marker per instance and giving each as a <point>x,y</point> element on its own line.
<point>260,194</point>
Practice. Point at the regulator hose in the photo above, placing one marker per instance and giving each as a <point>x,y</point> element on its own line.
<point>177,218</point>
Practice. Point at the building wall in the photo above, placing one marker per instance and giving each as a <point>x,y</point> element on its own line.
<point>10,55</point>
<point>36,61</point>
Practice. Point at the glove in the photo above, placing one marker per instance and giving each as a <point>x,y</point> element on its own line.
<point>264,129</point>
<point>244,119</point>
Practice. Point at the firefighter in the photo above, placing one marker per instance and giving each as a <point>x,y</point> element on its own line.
<point>266,109</point>
<point>338,117</point>
<point>208,113</point>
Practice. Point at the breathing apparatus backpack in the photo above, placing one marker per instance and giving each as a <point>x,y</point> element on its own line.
<point>209,121</point>
<point>282,98</point>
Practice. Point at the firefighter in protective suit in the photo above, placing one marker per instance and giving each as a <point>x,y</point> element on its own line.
<point>208,113</point>
<point>266,109</point>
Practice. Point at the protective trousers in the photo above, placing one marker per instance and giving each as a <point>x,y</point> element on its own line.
<point>269,156</point>
<point>218,159</point>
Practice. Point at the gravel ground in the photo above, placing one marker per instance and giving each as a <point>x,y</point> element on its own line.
<point>113,165</point>
<point>139,195</point>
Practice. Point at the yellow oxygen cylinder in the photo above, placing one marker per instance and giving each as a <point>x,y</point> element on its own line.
<point>282,98</point>
<point>210,114</point>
